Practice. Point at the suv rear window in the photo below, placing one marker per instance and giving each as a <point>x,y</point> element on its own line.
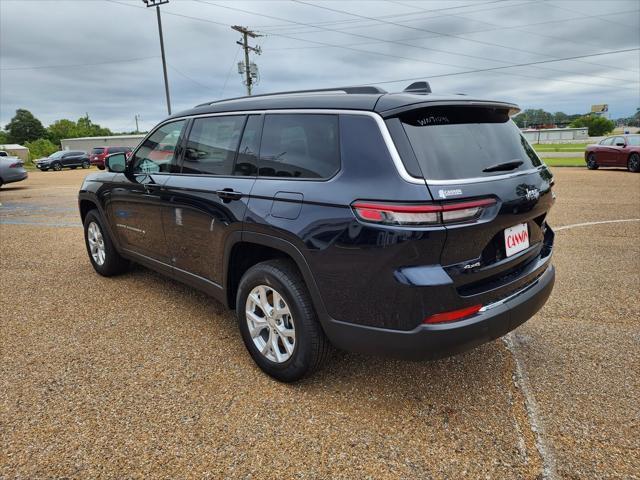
<point>97,151</point>
<point>300,146</point>
<point>459,142</point>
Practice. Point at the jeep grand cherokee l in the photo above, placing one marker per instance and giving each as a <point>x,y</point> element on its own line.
<point>404,224</point>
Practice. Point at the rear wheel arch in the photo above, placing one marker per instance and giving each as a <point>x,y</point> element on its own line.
<point>248,249</point>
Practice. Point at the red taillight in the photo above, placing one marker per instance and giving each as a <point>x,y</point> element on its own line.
<point>453,315</point>
<point>420,214</point>
<point>16,165</point>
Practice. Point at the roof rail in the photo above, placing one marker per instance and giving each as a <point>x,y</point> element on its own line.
<point>348,90</point>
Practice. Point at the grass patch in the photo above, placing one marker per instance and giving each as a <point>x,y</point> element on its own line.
<point>564,162</point>
<point>560,147</point>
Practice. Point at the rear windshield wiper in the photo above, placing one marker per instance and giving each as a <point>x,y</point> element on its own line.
<point>503,167</point>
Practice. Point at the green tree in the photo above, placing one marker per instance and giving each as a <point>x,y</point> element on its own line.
<point>4,137</point>
<point>40,148</point>
<point>62,129</point>
<point>531,117</point>
<point>560,117</point>
<point>86,128</point>
<point>24,127</point>
<point>597,125</point>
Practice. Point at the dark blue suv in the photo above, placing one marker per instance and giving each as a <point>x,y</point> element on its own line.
<point>404,224</point>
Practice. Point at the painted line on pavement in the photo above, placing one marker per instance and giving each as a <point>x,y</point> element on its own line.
<point>522,380</point>
<point>586,224</point>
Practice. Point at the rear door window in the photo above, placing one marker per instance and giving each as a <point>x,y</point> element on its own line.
<point>300,146</point>
<point>212,145</point>
<point>459,142</point>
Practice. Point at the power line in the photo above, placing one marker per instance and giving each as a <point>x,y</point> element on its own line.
<point>444,34</point>
<point>388,41</point>
<point>324,44</point>
<point>521,27</point>
<point>582,15</point>
<point>396,15</point>
<point>184,75</point>
<point>73,65</point>
<point>479,70</point>
<point>496,27</point>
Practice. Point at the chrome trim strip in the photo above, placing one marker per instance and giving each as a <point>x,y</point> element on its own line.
<point>384,131</point>
<point>514,295</point>
<point>463,181</point>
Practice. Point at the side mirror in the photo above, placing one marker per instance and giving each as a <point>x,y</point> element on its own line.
<point>116,162</point>
<point>620,144</point>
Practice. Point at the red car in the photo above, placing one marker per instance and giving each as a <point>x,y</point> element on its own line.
<point>616,151</point>
<point>98,154</point>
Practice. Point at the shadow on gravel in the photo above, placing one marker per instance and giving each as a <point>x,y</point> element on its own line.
<point>450,383</point>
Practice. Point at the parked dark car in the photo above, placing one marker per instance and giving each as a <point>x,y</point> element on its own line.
<point>98,154</point>
<point>407,224</point>
<point>64,159</point>
<point>616,151</point>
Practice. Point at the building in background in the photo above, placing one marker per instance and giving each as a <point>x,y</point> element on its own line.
<point>87,143</point>
<point>16,150</point>
<point>555,135</point>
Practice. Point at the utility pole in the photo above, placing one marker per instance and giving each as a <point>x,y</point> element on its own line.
<point>157,3</point>
<point>137,117</point>
<point>249,70</point>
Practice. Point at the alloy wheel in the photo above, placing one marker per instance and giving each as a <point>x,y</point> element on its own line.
<point>634,163</point>
<point>270,324</point>
<point>96,243</point>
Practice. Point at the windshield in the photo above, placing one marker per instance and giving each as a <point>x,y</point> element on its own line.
<point>459,142</point>
<point>96,151</point>
<point>57,154</point>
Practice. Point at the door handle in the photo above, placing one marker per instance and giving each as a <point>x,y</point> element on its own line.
<point>228,194</point>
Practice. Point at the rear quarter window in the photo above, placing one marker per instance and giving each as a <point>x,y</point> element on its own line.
<point>459,142</point>
<point>300,146</point>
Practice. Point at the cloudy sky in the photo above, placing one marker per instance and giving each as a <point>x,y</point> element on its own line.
<point>62,59</point>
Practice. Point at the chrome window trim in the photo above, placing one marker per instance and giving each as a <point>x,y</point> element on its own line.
<point>384,131</point>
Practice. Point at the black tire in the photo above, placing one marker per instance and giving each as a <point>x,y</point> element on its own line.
<point>311,345</point>
<point>592,164</point>
<point>57,166</point>
<point>633,164</point>
<point>113,264</point>
<point>100,167</point>
<point>86,164</point>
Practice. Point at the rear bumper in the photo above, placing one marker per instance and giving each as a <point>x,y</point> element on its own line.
<point>436,341</point>
<point>15,176</point>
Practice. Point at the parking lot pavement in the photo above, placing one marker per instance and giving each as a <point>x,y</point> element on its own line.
<point>142,376</point>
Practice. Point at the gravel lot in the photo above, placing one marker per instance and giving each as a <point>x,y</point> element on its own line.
<point>140,376</point>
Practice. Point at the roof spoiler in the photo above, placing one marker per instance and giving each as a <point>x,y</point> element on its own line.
<point>418,87</point>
